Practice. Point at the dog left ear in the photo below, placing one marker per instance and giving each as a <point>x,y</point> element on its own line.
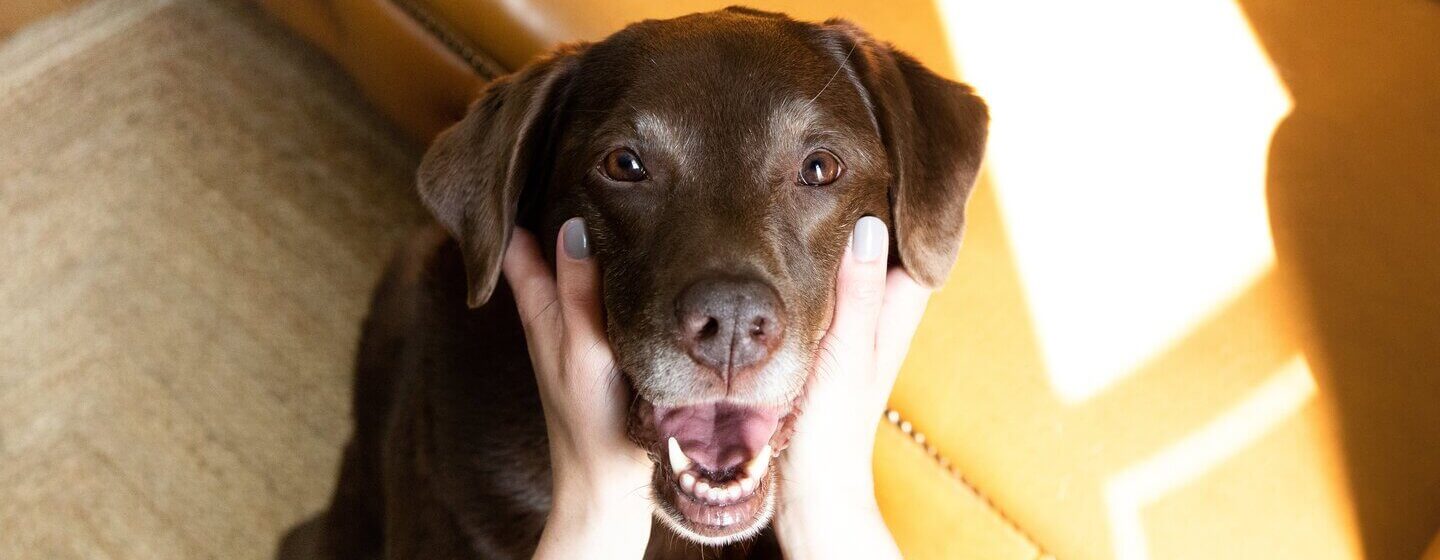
<point>474,174</point>
<point>934,132</point>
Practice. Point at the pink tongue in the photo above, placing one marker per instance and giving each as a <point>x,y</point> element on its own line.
<point>718,436</point>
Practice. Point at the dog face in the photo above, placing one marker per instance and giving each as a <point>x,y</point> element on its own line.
<point>720,161</point>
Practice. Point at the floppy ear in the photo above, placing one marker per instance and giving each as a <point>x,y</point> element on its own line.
<point>934,133</point>
<point>473,176</point>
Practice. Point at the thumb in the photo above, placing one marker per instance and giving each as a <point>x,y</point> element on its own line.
<point>860,288</point>
<point>578,277</point>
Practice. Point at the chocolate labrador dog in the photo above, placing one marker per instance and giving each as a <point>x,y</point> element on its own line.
<point>720,161</point>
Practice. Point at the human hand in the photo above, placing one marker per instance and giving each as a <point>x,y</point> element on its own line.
<point>601,505</point>
<point>829,487</point>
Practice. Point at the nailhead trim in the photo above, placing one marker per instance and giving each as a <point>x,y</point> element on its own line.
<point>906,427</point>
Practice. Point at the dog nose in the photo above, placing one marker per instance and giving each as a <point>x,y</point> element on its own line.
<point>729,324</point>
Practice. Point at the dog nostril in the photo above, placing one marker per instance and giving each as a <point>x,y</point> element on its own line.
<point>701,326</point>
<point>711,327</point>
<point>757,328</point>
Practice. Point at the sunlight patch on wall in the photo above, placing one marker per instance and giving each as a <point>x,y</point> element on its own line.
<point>1128,148</point>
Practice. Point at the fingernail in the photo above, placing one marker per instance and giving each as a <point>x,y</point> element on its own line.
<point>577,244</point>
<point>869,240</point>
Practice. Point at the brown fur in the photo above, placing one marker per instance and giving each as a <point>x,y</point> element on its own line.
<point>449,457</point>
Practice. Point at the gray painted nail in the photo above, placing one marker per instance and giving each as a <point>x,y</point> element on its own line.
<point>870,239</point>
<point>577,243</point>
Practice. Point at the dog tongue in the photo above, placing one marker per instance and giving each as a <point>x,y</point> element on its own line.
<point>718,436</point>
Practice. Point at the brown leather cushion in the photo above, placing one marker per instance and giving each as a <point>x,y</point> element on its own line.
<point>404,68</point>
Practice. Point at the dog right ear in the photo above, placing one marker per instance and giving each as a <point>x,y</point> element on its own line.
<point>473,175</point>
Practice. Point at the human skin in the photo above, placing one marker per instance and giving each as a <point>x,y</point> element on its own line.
<point>600,478</point>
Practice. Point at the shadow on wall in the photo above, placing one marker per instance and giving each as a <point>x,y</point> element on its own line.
<point>1353,189</point>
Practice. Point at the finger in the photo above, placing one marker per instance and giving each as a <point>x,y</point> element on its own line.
<point>860,287</point>
<point>533,287</point>
<point>578,285</point>
<point>904,306</point>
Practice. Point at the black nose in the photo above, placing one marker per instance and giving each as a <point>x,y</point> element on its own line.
<point>728,324</point>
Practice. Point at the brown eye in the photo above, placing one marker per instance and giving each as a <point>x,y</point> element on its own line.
<point>623,165</point>
<point>820,168</point>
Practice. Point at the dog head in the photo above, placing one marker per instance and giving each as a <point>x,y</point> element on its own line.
<point>720,161</point>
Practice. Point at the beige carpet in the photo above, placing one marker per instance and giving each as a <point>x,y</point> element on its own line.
<point>193,209</point>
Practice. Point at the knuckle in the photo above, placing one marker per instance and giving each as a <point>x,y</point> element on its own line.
<point>539,324</point>
<point>577,294</point>
<point>868,294</point>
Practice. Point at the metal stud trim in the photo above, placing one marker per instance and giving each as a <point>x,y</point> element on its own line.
<point>894,417</point>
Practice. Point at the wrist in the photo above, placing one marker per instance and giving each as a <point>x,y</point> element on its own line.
<point>586,521</point>
<point>604,499</point>
<point>834,526</point>
<point>832,512</point>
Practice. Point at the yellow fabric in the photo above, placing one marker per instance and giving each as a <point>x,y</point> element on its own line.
<point>932,513</point>
<point>1292,418</point>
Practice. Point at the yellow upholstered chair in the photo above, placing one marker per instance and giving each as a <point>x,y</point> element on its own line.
<point>1197,314</point>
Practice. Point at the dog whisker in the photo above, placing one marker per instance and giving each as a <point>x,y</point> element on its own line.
<point>837,73</point>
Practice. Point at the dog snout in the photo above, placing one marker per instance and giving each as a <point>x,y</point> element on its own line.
<point>730,325</point>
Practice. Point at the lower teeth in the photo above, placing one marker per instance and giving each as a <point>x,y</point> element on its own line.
<point>699,488</point>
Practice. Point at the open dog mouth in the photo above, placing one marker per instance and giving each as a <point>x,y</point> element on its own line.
<point>714,478</point>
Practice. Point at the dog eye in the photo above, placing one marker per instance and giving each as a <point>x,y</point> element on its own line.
<point>820,168</point>
<point>623,165</point>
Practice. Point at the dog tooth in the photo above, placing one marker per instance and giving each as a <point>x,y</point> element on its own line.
<point>687,481</point>
<point>756,467</point>
<point>702,489</point>
<point>747,484</point>
<point>715,494</point>
<point>678,461</point>
<point>732,493</point>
